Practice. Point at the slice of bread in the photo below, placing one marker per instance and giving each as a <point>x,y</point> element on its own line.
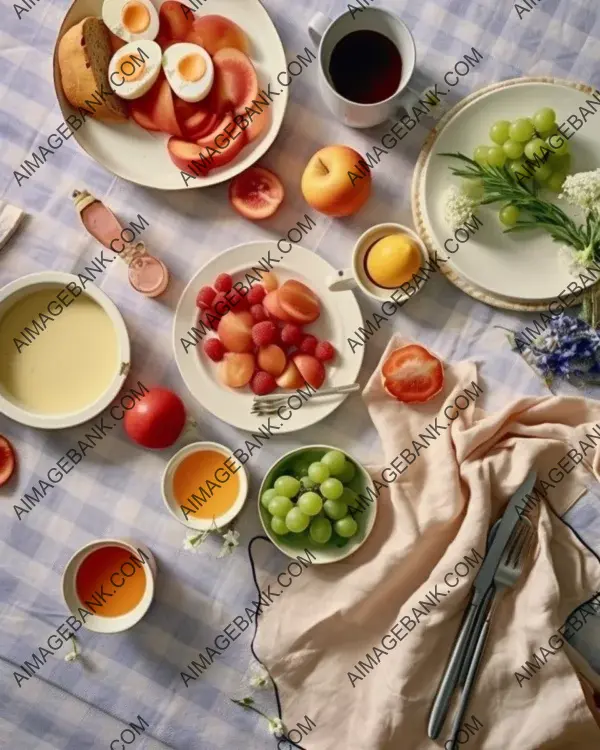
<point>84,54</point>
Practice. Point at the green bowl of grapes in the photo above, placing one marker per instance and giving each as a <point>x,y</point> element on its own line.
<point>310,499</point>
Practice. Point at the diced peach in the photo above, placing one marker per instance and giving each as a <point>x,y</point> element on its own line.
<point>235,79</point>
<point>235,331</point>
<point>299,302</point>
<point>215,32</point>
<point>236,370</point>
<point>176,21</point>
<point>269,281</point>
<point>311,369</point>
<point>291,378</point>
<point>273,306</point>
<point>272,359</point>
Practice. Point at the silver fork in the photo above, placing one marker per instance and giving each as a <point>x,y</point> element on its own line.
<point>509,569</point>
<point>263,406</point>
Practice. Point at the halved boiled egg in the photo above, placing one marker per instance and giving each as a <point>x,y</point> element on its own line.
<point>134,68</point>
<point>189,70</point>
<point>131,20</point>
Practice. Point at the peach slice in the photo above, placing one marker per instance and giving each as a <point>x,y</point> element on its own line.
<point>175,22</point>
<point>299,302</point>
<point>310,368</point>
<point>236,369</point>
<point>272,359</point>
<point>258,125</point>
<point>222,145</point>
<point>273,306</point>
<point>215,32</point>
<point>291,378</point>
<point>162,107</point>
<point>235,331</point>
<point>235,79</point>
<point>186,156</point>
<point>269,281</point>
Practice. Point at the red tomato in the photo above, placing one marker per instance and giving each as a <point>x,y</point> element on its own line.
<point>157,420</point>
<point>7,460</point>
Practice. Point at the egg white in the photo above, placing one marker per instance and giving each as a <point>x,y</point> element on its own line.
<point>111,15</point>
<point>146,50</point>
<point>189,91</point>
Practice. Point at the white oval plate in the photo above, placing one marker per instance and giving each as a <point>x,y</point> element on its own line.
<point>340,317</point>
<point>522,266</point>
<point>140,156</point>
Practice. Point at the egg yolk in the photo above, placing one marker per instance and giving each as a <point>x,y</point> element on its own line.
<point>131,67</point>
<point>191,67</point>
<point>135,17</point>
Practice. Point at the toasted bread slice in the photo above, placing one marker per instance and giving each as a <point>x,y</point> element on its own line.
<point>84,54</point>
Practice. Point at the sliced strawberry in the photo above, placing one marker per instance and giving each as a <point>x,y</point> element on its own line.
<point>256,194</point>
<point>7,460</point>
<point>175,22</point>
<point>412,374</point>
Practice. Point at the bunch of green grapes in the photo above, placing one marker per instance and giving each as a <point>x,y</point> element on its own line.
<point>516,145</point>
<point>318,500</point>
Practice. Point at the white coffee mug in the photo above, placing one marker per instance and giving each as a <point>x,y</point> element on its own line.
<point>327,33</point>
<point>356,276</point>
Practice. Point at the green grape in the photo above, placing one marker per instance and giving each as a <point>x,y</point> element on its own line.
<point>346,527</point>
<point>267,496</point>
<point>534,148</point>
<point>310,503</point>
<point>496,156</point>
<point>320,530</point>
<point>332,489</point>
<point>509,215</point>
<point>279,526</point>
<point>560,163</point>
<point>334,461</point>
<point>555,182</point>
<point>543,173</point>
<point>348,472</point>
<point>307,483</point>
<point>472,187</point>
<point>480,155</point>
<point>350,498</point>
<point>499,131</point>
<point>513,149</point>
<point>280,506</point>
<point>560,147</point>
<point>547,133</point>
<point>518,169</point>
<point>335,509</point>
<point>521,130</point>
<point>318,472</point>
<point>287,486</point>
<point>296,520</point>
<point>544,119</point>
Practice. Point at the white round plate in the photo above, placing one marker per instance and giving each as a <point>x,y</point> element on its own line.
<point>340,317</point>
<point>140,156</point>
<point>521,266</point>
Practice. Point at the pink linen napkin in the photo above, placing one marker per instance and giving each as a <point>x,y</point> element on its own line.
<point>422,554</point>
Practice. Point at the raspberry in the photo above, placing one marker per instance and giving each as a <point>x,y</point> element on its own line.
<point>214,349</point>
<point>291,334</point>
<point>220,305</point>
<point>205,297</point>
<point>262,383</point>
<point>324,351</point>
<point>223,282</point>
<point>258,313</point>
<point>308,344</point>
<point>256,295</point>
<point>237,300</point>
<point>264,333</point>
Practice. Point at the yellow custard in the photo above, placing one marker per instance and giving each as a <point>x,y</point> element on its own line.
<point>58,353</point>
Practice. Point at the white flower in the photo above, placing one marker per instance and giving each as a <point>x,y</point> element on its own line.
<point>230,542</point>
<point>459,208</point>
<point>582,190</point>
<point>276,726</point>
<point>260,677</point>
<point>193,540</point>
<point>74,654</point>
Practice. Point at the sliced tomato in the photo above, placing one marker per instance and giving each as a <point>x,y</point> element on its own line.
<point>412,374</point>
<point>7,460</point>
<point>256,193</point>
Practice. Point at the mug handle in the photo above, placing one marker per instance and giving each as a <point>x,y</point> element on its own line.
<point>342,282</point>
<point>317,26</point>
<point>417,89</point>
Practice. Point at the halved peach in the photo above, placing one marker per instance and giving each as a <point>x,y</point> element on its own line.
<point>214,32</point>
<point>175,22</point>
<point>272,359</point>
<point>236,370</point>
<point>299,302</point>
<point>235,331</point>
<point>273,306</point>
<point>310,368</point>
<point>290,378</point>
<point>235,79</point>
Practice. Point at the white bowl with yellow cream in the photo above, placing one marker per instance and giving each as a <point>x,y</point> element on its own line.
<point>63,355</point>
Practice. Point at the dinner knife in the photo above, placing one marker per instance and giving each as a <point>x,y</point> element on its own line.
<point>483,580</point>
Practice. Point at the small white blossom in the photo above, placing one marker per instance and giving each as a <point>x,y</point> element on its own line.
<point>230,542</point>
<point>459,207</point>
<point>193,540</point>
<point>260,678</point>
<point>74,654</point>
<point>276,726</point>
<point>582,190</point>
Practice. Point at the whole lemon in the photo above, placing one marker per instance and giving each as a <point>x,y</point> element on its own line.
<point>392,260</point>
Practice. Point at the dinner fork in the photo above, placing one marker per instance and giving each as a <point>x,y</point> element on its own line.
<point>263,406</point>
<point>510,567</point>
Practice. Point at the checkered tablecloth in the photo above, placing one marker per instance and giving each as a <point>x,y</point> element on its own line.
<point>116,492</point>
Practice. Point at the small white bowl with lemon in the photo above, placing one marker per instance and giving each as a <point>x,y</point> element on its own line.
<point>384,257</point>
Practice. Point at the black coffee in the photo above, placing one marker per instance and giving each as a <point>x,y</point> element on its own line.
<point>365,67</point>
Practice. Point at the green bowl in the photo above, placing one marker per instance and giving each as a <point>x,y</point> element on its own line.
<point>336,548</point>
